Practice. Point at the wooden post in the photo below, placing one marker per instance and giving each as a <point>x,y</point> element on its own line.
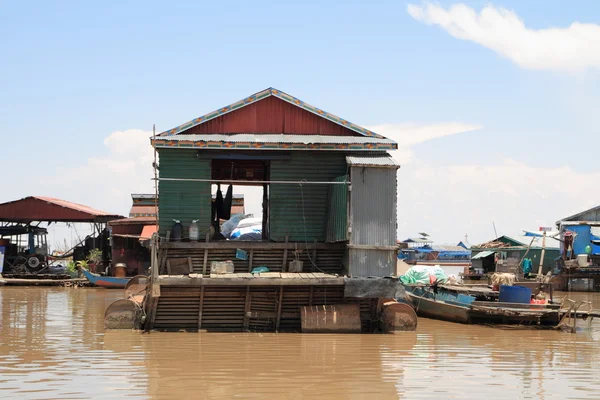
<point>163,258</point>
<point>155,266</point>
<point>540,271</point>
<point>251,260</point>
<point>279,305</point>
<point>204,264</point>
<point>247,308</point>
<point>285,255</point>
<point>200,309</point>
<point>314,255</point>
<point>310,296</point>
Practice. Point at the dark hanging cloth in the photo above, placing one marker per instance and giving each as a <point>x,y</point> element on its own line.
<point>219,204</point>
<point>227,203</point>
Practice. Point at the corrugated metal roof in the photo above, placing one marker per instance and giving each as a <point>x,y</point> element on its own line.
<point>133,221</point>
<point>382,161</point>
<point>263,95</point>
<point>551,243</point>
<point>41,208</point>
<point>483,254</point>
<point>74,206</point>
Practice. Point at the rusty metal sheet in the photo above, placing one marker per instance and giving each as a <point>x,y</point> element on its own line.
<point>121,314</point>
<point>398,317</point>
<point>335,318</point>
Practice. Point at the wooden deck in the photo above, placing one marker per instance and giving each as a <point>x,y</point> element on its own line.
<point>248,279</point>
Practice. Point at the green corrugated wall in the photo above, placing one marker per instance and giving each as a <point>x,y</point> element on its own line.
<point>185,201</point>
<point>337,222</point>
<point>286,202</point>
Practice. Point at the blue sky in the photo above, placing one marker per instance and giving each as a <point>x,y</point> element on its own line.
<point>73,73</point>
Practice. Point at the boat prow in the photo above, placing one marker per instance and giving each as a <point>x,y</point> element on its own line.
<point>105,281</point>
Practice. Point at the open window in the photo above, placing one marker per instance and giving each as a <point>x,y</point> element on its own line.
<point>232,178</point>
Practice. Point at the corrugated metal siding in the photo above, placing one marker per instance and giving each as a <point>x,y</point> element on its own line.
<point>286,205</point>
<point>337,222</point>
<point>373,201</point>
<point>367,263</point>
<point>373,206</point>
<point>272,115</point>
<point>184,201</point>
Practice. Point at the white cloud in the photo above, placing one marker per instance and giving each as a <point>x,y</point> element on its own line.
<point>106,182</point>
<point>466,198</point>
<point>410,134</point>
<point>573,48</point>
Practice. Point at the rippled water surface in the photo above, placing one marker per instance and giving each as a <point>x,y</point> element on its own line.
<point>53,345</point>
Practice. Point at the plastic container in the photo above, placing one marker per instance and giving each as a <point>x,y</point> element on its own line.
<point>514,294</point>
<point>120,270</point>
<point>194,231</point>
<point>176,231</point>
<point>582,260</point>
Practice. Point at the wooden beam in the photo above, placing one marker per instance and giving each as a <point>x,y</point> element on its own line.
<point>169,281</point>
<point>279,305</point>
<point>259,245</point>
<point>153,305</point>
<point>314,256</point>
<point>201,307</point>
<point>285,256</point>
<point>250,260</point>
<point>370,247</point>
<point>204,264</point>
<point>246,309</point>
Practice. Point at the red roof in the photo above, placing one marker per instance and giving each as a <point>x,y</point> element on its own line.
<point>148,231</point>
<point>40,208</point>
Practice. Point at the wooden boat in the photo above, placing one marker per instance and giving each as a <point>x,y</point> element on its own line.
<point>446,304</point>
<point>105,281</point>
<point>444,307</point>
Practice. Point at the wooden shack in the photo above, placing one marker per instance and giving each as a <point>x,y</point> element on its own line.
<point>328,195</point>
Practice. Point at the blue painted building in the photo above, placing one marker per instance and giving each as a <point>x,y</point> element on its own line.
<point>584,228</point>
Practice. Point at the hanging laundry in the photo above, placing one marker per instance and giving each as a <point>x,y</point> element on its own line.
<point>219,204</point>
<point>227,203</point>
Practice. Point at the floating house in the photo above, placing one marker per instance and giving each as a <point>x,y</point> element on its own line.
<point>327,233</point>
<point>580,235</point>
<point>505,253</point>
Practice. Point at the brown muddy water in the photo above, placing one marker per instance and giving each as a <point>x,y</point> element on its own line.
<point>53,346</point>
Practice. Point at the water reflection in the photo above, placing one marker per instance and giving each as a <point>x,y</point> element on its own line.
<point>52,345</point>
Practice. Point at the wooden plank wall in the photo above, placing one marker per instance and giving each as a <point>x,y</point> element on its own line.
<point>329,261</point>
<point>243,308</point>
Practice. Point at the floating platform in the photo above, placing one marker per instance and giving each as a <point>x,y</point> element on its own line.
<point>274,302</point>
<point>44,282</point>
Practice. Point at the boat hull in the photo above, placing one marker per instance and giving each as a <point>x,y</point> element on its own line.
<point>105,281</point>
<point>434,309</point>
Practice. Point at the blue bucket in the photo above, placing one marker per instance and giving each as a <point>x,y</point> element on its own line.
<point>514,294</point>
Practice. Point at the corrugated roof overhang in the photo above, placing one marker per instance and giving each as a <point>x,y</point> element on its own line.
<point>375,162</point>
<point>48,209</point>
<point>483,254</point>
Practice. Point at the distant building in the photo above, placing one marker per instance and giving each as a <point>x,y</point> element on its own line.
<point>584,228</point>
<point>506,252</point>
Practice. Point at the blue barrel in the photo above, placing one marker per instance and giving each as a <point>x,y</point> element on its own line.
<point>514,294</point>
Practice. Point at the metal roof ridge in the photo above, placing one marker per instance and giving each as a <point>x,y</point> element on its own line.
<point>271,91</point>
